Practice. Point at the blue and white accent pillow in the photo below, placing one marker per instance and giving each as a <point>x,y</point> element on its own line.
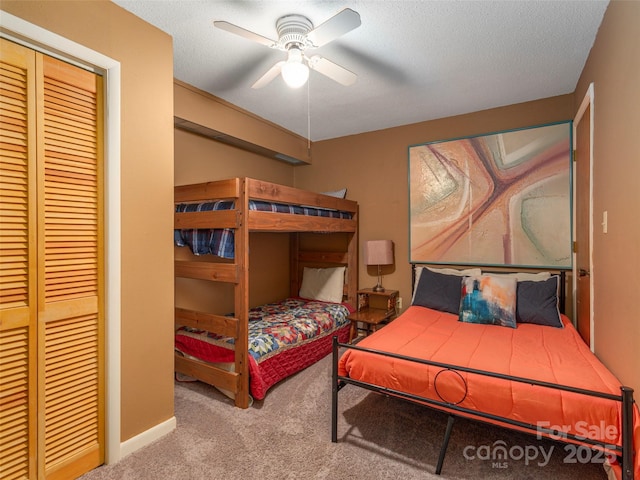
<point>489,300</point>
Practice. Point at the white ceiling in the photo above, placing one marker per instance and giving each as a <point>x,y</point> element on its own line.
<point>415,60</point>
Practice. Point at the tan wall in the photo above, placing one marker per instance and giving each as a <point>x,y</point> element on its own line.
<point>146,57</point>
<point>373,168</point>
<point>200,159</point>
<point>215,114</point>
<point>614,68</point>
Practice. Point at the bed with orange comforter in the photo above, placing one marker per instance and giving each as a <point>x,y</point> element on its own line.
<point>454,350</point>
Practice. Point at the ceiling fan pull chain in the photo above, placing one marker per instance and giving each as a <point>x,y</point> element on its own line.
<point>309,118</point>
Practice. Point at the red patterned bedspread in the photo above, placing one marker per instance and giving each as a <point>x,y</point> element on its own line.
<point>284,338</point>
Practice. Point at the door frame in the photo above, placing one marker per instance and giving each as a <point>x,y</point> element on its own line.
<point>587,101</point>
<point>37,38</point>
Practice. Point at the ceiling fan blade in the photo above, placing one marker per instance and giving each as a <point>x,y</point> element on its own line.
<point>230,27</point>
<point>272,73</point>
<point>338,25</point>
<point>332,70</point>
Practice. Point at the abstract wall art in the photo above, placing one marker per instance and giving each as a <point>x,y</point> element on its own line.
<point>500,199</point>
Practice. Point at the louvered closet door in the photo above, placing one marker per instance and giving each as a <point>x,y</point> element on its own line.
<point>17,263</point>
<point>51,267</point>
<point>70,271</point>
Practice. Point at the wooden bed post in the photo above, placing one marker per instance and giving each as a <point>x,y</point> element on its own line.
<point>241,300</point>
<point>294,264</point>
<point>352,261</point>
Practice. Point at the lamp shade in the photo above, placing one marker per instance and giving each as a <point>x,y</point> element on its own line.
<point>378,252</point>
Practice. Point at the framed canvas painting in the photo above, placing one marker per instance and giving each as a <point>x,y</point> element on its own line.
<point>499,199</point>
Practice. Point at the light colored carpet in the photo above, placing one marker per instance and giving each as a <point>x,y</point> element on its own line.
<point>287,436</point>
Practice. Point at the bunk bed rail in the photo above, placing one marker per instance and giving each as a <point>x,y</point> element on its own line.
<point>220,189</point>
<point>271,192</point>
<point>260,190</point>
<point>228,326</point>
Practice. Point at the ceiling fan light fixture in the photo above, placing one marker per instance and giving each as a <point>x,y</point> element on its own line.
<point>294,72</point>
<point>296,34</point>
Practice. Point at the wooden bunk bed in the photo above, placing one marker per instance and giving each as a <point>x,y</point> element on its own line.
<point>241,219</point>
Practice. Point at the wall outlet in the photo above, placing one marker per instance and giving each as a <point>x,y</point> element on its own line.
<point>399,306</point>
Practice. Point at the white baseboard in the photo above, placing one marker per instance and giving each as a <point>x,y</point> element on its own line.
<point>147,437</point>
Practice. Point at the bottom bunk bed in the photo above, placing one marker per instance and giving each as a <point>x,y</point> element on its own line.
<point>451,351</point>
<point>284,338</point>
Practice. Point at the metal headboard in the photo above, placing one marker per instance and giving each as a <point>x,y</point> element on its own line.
<point>562,289</point>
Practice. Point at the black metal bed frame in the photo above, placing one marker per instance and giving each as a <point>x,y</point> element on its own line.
<point>626,398</point>
<point>625,452</point>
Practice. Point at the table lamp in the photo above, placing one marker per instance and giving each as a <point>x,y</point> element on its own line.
<point>379,252</point>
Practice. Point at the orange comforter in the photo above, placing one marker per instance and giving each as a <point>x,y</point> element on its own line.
<point>536,352</point>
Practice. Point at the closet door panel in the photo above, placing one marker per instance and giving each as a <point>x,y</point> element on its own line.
<point>70,320</point>
<point>18,257</point>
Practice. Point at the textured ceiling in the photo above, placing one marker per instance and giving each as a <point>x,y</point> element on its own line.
<point>415,60</point>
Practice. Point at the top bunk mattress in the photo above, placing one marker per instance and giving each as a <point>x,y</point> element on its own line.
<point>263,206</point>
<point>220,242</point>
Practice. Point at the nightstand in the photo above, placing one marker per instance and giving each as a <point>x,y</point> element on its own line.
<point>374,310</point>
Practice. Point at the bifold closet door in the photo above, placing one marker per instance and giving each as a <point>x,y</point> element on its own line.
<point>18,257</point>
<point>53,252</point>
<point>70,270</point>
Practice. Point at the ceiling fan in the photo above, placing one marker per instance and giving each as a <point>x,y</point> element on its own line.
<point>296,35</point>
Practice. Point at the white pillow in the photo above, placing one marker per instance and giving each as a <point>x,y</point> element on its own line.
<point>324,284</point>
<point>338,193</point>
<point>469,272</point>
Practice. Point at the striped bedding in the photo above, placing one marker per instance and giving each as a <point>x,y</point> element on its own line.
<point>219,242</point>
